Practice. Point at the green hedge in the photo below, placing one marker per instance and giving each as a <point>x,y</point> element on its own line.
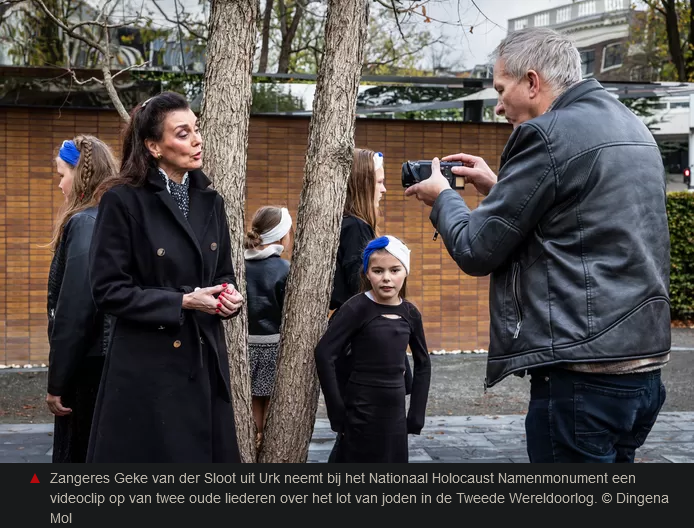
<point>680,210</point>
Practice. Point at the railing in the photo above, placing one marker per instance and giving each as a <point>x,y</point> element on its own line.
<point>567,13</point>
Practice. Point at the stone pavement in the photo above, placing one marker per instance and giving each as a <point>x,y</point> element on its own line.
<point>444,439</point>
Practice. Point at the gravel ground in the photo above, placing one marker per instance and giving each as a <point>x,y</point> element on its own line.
<point>456,387</point>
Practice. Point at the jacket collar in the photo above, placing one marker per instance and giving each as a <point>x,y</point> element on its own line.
<point>575,92</point>
<point>273,250</point>
<point>198,179</point>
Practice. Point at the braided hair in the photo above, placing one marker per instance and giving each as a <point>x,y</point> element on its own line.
<point>96,164</point>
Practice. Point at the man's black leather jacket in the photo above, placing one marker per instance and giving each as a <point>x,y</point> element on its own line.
<point>575,237</point>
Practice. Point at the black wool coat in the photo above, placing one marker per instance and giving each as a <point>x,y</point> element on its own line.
<point>165,393</point>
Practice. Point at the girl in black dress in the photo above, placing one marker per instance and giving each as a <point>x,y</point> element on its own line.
<point>369,412</point>
<point>365,189</point>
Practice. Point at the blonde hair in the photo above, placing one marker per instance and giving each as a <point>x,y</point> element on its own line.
<point>361,189</point>
<point>96,164</point>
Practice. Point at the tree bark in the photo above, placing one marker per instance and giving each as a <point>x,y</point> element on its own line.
<point>225,116</point>
<point>292,410</point>
<point>112,92</point>
<point>267,17</point>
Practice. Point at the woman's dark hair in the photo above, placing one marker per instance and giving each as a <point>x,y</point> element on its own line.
<point>146,122</point>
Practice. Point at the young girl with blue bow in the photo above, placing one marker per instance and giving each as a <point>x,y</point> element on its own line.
<point>369,412</point>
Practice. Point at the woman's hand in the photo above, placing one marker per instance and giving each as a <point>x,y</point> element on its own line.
<point>55,405</point>
<point>230,300</point>
<point>203,299</point>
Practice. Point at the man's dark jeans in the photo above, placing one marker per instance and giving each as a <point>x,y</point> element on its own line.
<point>581,417</point>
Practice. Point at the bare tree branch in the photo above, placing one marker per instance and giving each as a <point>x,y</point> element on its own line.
<point>91,79</point>
<point>397,21</point>
<point>182,23</point>
<point>69,30</point>
<point>485,16</point>
<point>103,24</point>
<point>133,67</point>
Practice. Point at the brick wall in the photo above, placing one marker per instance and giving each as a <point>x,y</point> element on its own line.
<point>454,305</point>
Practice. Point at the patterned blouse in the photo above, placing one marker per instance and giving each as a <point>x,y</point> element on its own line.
<point>178,191</point>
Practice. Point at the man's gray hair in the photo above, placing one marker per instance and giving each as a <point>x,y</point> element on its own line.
<point>552,55</point>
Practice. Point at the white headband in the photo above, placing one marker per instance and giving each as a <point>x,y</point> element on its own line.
<point>378,161</point>
<point>399,250</point>
<point>277,233</point>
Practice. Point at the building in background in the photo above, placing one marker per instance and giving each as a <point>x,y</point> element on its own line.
<point>602,31</point>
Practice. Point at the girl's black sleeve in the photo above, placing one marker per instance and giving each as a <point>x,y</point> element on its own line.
<point>421,377</point>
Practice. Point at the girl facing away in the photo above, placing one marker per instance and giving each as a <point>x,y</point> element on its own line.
<point>77,331</point>
<point>266,280</point>
<point>369,412</point>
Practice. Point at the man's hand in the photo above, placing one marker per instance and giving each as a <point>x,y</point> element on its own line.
<point>428,190</point>
<point>476,171</point>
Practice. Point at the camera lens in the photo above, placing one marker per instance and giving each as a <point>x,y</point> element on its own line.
<point>408,178</point>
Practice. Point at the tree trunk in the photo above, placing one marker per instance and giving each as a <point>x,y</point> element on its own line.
<point>267,17</point>
<point>225,115</point>
<point>690,41</point>
<point>673,38</point>
<point>288,33</point>
<point>294,401</point>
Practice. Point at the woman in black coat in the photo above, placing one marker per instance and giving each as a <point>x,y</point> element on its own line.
<point>161,265</point>
<point>75,326</point>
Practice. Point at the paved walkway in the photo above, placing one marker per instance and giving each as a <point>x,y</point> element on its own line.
<point>444,439</point>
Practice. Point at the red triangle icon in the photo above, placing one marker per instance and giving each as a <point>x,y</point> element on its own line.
<point>35,480</point>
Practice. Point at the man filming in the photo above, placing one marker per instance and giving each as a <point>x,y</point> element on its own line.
<point>574,234</point>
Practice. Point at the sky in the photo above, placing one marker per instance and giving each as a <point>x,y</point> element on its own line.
<point>489,28</point>
<point>488,18</point>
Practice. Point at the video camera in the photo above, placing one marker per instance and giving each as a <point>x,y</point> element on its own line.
<point>416,171</point>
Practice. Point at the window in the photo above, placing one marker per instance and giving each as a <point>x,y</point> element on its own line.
<point>682,104</point>
<point>588,62</point>
<point>563,14</point>
<point>612,56</point>
<point>520,24</point>
<point>587,8</point>
<point>614,5</point>
<point>542,20</point>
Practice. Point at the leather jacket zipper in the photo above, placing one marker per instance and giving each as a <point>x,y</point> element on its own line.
<point>516,302</point>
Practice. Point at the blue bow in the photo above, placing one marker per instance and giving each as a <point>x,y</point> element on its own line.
<point>69,153</point>
<point>374,245</point>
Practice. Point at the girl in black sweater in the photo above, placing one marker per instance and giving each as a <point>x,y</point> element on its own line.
<point>266,279</point>
<point>365,188</point>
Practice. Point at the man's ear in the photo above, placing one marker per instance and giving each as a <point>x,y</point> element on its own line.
<point>533,83</point>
